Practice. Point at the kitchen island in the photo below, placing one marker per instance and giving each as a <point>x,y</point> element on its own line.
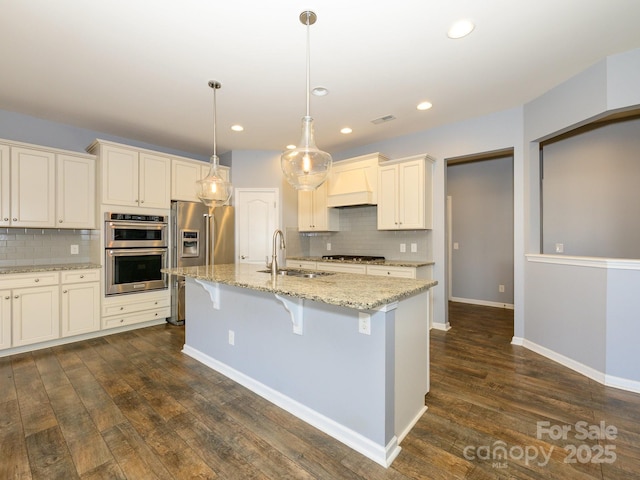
<point>346,353</point>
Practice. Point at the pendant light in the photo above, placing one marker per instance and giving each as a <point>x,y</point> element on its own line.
<point>306,167</point>
<point>213,190</point>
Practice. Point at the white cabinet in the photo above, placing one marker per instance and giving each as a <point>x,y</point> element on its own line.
<point>5,186</point>
<point>76,192</point>
<point>131,309</point>
<point>404,194</point>
<point>184,175</point>
<point>33,183</point>
<point>133,178</point>
<point>80,302</point>
<point>5,319</point>
<point>313,213</point>
<point>342,268</point>
<point>35,314</point>
<point>302,264</point>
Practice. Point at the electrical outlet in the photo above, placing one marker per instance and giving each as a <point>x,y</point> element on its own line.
<point>232,337</point>
<point>328,246</point>
<point>364,323</point>
<point>403,247</point>
<point>75,249</point>
<point>456,246</point>
<point>501,288</point>
<point>559,247</point>
<point>414,247</point>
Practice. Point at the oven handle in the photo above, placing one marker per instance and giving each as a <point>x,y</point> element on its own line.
<point>135,251</point>
<point>138,226</point>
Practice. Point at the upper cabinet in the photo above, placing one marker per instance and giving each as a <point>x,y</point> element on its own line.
<point>313,213</point>
<point>405,194</point>
<point>32,188</point>
<point>42,187</point>
<point>184,175</point>
<point>133,177</point>
<point>76,192</point>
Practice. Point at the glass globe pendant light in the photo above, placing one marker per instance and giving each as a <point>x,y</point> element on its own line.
<point>306,167</point>
<point>213,190</point>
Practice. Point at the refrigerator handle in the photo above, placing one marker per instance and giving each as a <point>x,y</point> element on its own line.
<point>207,220</point>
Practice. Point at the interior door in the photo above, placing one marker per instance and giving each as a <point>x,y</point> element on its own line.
<point>257,214</point>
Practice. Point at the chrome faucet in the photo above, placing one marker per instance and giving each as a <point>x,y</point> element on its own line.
<point>274,253</point>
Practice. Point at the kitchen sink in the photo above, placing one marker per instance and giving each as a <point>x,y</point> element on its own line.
<point>285,272</point>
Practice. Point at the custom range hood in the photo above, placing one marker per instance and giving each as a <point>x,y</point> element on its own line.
<point>354,181</point>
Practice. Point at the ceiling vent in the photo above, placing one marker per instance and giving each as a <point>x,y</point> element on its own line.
<point>386,118</point>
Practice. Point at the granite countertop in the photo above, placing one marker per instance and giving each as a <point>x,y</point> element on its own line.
<point>48,268</point>
<point>385,263</point>
<point>361,292</point>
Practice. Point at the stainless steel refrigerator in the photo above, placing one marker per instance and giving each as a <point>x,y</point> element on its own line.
<point>201,236</point>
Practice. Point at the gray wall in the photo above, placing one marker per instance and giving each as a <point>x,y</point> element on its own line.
<point>591,199</point>
<point>482,225</point>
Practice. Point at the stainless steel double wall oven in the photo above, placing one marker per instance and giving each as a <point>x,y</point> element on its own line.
<point>136,249</point>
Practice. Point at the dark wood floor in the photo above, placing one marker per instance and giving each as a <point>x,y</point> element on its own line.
<point>132,406</point>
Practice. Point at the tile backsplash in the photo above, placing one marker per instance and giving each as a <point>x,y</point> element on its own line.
<point>359,235</point>
<point>36,246</point>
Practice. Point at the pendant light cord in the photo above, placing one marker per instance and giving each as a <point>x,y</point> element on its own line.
<point>214,119</point>
<point>308,61</point>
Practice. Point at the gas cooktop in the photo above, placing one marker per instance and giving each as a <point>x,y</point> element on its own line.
<point>354,258</point>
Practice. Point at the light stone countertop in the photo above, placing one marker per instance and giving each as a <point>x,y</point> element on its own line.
<point>384,263</point>
<point>48,268</point>
<point>361,292</point>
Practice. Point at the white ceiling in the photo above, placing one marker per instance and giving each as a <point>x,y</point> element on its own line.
<point>139,68</point>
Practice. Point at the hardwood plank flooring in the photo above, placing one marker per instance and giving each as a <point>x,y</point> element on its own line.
<point>132,406</point>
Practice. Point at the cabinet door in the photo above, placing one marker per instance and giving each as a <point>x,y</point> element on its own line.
<point>5,186</point>
<point>80,308</point>
<point>184,175</point>
<point>305,211</point>
<point>5,319</point>
<point>76,192</point>
<point>411,193</point>
<point>387,197</point>
<point>33,177</point>
<point>155,181</point>
<point>36,315</point>
<point>119,176</point>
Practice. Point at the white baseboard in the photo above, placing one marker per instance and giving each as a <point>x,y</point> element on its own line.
<point>412,423</point>
<point>592,373</point>
<point>441,326</point>
<point>381,454</point>
<point>485,303</point>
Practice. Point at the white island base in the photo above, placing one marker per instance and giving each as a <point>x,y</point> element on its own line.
<point>310,358</point>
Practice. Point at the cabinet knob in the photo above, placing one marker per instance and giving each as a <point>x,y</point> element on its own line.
<point>121,308</point>
<point>7,297</point>
<point>243,257</point>
<point>6,219</point>
<point>37,280</point>
<point>141,201</point>
<point>64,291</point>
<point>16,296</point>
<point>81,276</point>
<point>60,221</point>
<point>15,219</point>
<point>122,320</point>
<point>388,273</point>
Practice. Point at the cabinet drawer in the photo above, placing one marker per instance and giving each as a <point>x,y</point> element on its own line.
<point>22,280</point>
<point>342,268</point>
<point>402,272</point>
<point>132,307</point>
<point>302,264</point>
<point>133,318</point>
<point>80,276</point>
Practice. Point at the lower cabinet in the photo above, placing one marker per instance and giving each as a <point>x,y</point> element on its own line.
<point>136,308</point>
<point>80,301</point>
<point>35,315</point>
<point>5,319</point>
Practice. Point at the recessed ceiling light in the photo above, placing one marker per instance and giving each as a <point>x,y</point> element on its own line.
<point>460,29</point>
<point>237,128</point>
<point>290,147</point>
<point>424,106</point>
<point>346,130</point>
<point>320,91</point>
